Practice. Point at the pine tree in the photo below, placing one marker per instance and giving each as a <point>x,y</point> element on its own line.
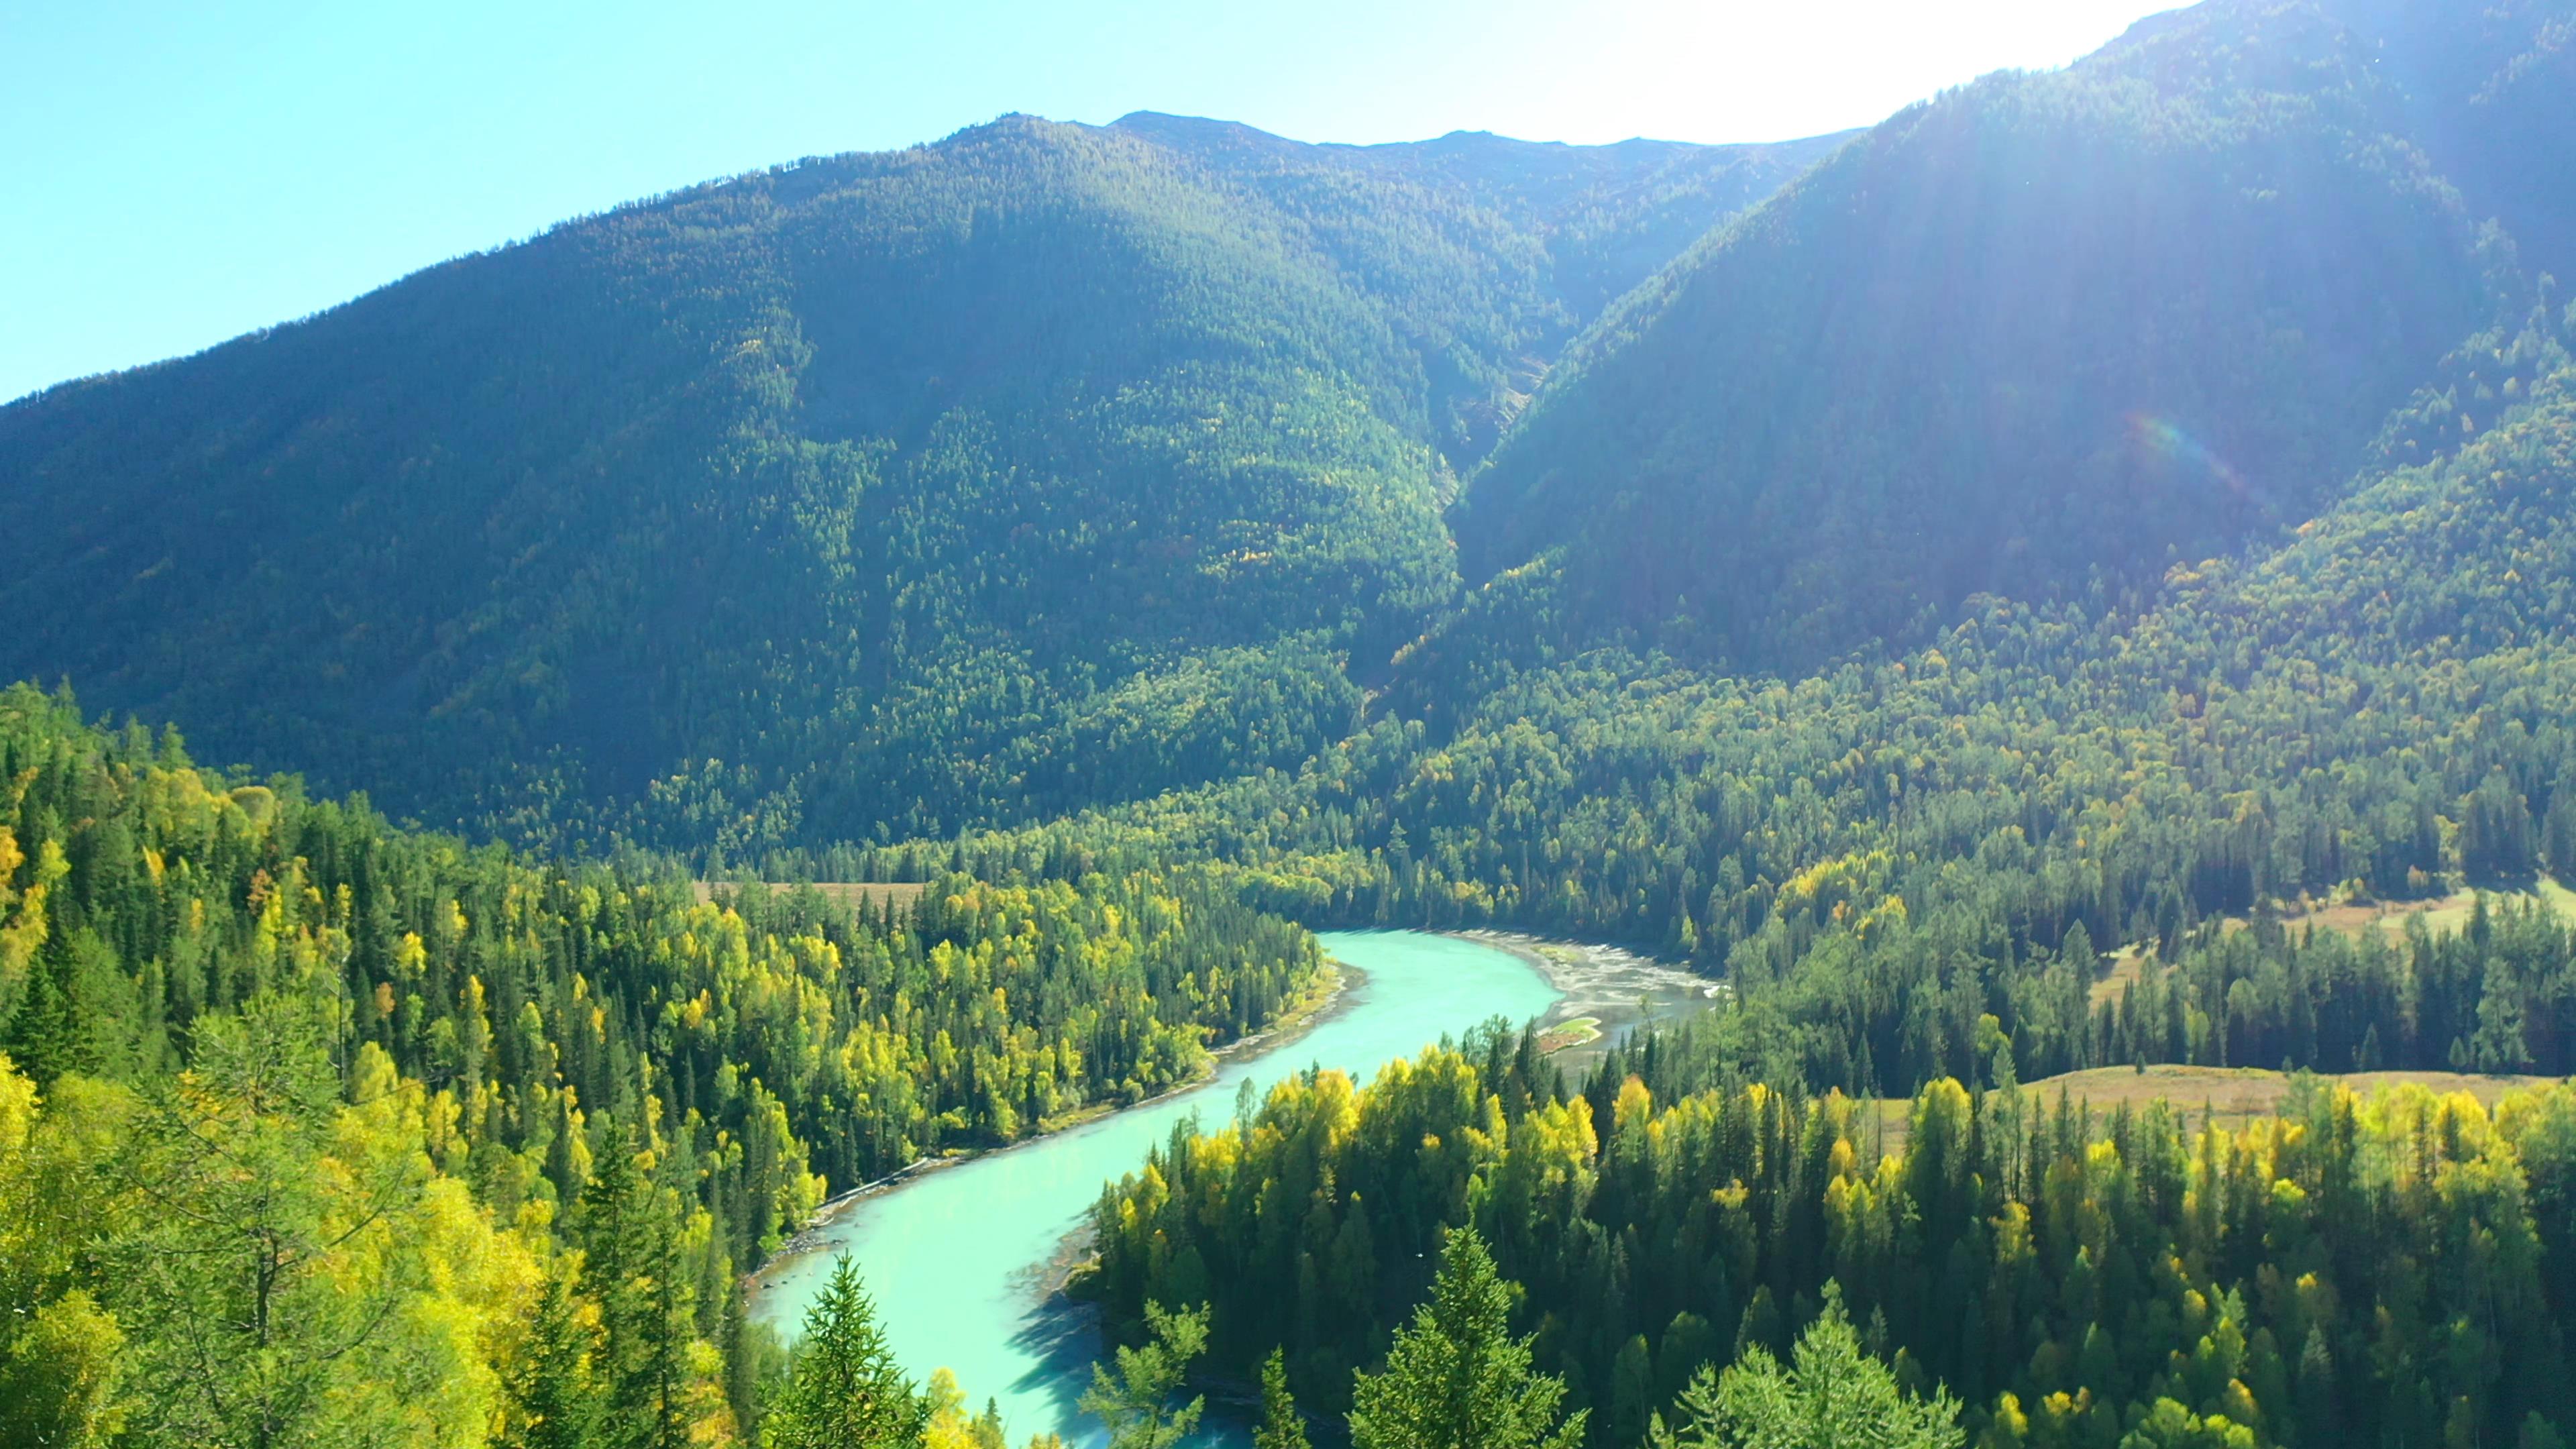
<point>1281,1425</point>
<point>1455,1377</point>
<point>553,1396</point>
<point>631,1257</point>
<point>843,1389</point>
<point>1835,1396</point>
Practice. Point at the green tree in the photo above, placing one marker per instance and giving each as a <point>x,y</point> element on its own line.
<point>1632,1391</point>
<point>58,1377</point>
<point>1832,1396</point>
<point>242,1284</point>
<point>843,1389</point>
<point>1455,1377</point>
<point>2168,1425</point>
<point>554,1398</point>
<point>1133,1403</point>
<point>1281,1425</point>
<point>630,1250</point>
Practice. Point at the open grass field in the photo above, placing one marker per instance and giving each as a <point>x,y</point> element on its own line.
<point>2229,1095</point>
<point>2449,913</point>
<point>2126,968</point>
<point>847,893</point>
<point>2353,918</point>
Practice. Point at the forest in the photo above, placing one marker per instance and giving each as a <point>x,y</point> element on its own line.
<point>2390,1270</point>
<point>492,1123</point>
<point>1877,857</point>
<point>2073,579</point>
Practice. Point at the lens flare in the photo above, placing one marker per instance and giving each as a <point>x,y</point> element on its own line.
<point>2165,438</point>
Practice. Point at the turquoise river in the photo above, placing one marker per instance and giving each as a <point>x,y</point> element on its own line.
<point>961,1260</point>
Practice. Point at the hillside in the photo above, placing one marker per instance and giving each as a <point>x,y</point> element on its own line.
<point>1881,856</point>
<point>2064,603</point>
<point>2038,338</point>
<point>1042,466</point>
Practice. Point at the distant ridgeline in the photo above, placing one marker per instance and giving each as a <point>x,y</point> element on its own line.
<point>877,494</point>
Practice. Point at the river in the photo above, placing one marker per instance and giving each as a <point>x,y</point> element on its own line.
<point>960,1260</point>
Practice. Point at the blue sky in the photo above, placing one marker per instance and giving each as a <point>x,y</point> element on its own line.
<point>173,174</point>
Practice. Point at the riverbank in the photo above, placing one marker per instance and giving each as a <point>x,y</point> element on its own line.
<point>1328,996</point>
<point>1610,990</point>
<point>962,1259</point>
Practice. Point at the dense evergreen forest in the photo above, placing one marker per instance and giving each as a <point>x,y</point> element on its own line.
<point>425,1075</point>
<point>1879,856</point>
<point>2384,1271</point>
<point>2066,579</point>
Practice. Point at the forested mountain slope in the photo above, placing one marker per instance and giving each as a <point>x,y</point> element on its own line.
<point>1992,603</point>
<point>876,493</point>
<point>1498,249</point>
<point>1880,855</point>
<point>2489,93</point>
<point>2045,333</point>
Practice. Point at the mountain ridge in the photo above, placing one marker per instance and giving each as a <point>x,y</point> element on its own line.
<point>651,513</point>
<point>1950,359</point>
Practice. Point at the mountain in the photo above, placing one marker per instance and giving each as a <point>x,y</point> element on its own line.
<point>878,493</point>
<point>2040,338</point>
<point>2064,602</point>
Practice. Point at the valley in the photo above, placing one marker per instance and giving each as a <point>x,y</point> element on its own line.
<point>1938,758</point>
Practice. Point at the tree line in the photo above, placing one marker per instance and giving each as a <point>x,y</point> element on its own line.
<point>2394,1269</point>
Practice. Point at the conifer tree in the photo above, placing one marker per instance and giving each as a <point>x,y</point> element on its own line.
<point>1456,1378</point>
<point>843,1389</point>
<point>1833,1396</point>
<point>631,1257</point>
<point>553,1395</point>
<point>1133,1401</point>
<point>1281,1425</point>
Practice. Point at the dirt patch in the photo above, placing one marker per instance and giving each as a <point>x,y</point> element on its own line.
<point>1573,1033</point>
<point>2448,913</point>
<point>2353,918</point>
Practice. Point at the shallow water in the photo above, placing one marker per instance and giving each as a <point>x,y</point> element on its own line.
<point>959,1259</point>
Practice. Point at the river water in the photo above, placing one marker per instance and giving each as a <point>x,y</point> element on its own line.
<point>959,1260</point>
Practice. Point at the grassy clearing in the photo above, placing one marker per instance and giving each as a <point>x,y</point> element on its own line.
<point>1574,1033</point>
<point>2352,918</point>
<point>2128,967</point>
<point>2449,913</point>
<point>2231,1096</point>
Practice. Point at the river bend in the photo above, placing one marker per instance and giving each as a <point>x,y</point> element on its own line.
<point>960,1260</point>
